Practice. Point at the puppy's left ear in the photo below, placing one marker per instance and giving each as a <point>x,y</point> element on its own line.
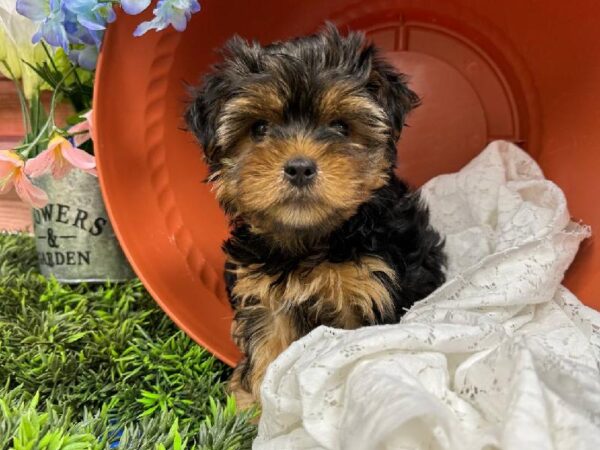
<point>241,60</point>
<point>202,113</point>
<point>390,89</point>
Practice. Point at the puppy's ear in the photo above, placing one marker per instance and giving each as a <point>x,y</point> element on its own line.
<point>240,59</point>
<point>390,89</point>
<point>203,112</point>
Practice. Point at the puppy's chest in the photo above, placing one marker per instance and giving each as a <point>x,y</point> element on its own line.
<point>345,294</point>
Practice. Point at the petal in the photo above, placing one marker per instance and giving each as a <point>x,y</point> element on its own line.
<point>87,37</point>
<point>74,56</point>
<point>6,180</point>
<point>89,116</point>
<point>70,24</point>
<point>80,126</point>
<point>79,34</point>
<point>102,9</point>
<point>179,21</point>
<point>134,6</point>
<point>36,10</point>
<point>57,141</point>
<point>78,158</point>
<point>54,34</point>
<point>36,37</point>
<point>79,139</point>
<point>41,164</point>
<point>29,193</point>
<point>61,168</point>
<point>194,7</point>
<point>155,24</point>
<point>91,23</point>
<point>93,172</point>
<point>6,169</point>
<point>6,185</point>
<point>88,57</point>
<point>10,163</point>
<point>11,157</point>
<point>84,125</point>
<point>111,15</point>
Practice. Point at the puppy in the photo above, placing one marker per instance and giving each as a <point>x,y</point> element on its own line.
<point>300,139</point>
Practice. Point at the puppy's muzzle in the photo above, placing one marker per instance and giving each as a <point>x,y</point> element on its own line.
<point>300,171</point>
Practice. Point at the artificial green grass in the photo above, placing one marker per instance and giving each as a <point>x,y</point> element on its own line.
<point>98,367</point>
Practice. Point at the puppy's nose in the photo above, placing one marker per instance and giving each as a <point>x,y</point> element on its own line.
<point>300,171</point>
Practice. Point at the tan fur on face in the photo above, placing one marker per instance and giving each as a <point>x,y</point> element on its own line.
<point>366,118</point>
<point>254,183</point>
<point>257,101</point>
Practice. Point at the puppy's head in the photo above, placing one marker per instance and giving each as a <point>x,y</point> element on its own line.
<point>299,134</point>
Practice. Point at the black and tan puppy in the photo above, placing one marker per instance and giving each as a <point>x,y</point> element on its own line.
<point>300,138</point>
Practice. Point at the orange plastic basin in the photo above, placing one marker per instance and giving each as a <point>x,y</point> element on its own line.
<point>525,71</point>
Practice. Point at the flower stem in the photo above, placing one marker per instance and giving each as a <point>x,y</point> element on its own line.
<point>50,119</point>
<point>45,140</point>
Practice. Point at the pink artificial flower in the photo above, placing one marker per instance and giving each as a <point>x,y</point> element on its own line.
<point>59,158</point>
<point>12,174</point>
<point>86,125</point>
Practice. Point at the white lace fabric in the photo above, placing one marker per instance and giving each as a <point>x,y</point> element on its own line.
<point>500,356</point>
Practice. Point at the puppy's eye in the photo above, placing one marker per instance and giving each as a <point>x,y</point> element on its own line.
<point>259,129</point>
<point>340,127</point>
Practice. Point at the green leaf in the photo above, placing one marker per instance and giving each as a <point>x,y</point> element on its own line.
<point>75,337</point>
<point>149,411</point>
<point>77,446</point>
<point>151,395</point>
<point>177,441</point>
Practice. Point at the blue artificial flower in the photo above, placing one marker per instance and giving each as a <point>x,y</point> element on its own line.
<point>81,23</point>
<point>51,17</point>
<point>70,22</point>
<point>35,10</point>
<point>169,12</point>
<point>79,34</point>
<point>134,6</point>
<point>90,14</point>
<point>85,57</point>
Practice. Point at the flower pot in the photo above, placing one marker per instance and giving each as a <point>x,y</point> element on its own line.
<point>74,238</point>
<point>486,70</point>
